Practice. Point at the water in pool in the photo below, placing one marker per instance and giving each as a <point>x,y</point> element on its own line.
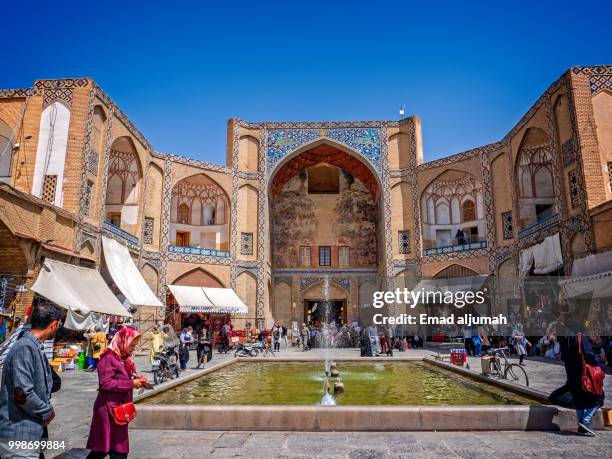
<point>366,383</point>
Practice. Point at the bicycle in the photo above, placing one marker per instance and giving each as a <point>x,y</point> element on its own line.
<point>502,369</point>
<point>267,351</point>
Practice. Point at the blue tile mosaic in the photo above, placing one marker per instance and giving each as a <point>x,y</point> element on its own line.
<point>365,141</point>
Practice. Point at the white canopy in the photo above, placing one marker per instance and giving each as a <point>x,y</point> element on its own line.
<point>204,299</point>
<point>596,286</point>
<point>126,275</point>
<point>592,264</point>
<point>76,321</point>
<point>77,288</point>
<point>544,257</point>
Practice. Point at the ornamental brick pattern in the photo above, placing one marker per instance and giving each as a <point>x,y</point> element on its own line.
<point>579,177</point>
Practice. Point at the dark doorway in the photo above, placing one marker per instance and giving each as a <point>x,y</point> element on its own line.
<point>317,312</point>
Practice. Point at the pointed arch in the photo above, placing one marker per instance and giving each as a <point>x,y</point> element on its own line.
<point>455,270</point>
<point>51,153</point>
<point>198,277</point>
<point>6,152</point>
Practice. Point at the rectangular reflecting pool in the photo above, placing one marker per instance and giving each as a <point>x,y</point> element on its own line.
<point>366,383</point>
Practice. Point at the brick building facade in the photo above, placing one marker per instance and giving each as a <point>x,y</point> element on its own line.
<point>301,211</point>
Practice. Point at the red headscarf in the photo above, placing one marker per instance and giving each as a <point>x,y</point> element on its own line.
<point>120,346</point>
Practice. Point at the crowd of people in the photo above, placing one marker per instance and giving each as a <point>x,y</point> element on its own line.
<point>28,381</point>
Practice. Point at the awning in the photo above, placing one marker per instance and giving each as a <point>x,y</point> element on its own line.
<point>208,300</point>
<point>544,257</point>
<point>77,288</point>
<point>76,321</point>
<point>596,286</point>
<point>126,276</point>
<point>592,264</point>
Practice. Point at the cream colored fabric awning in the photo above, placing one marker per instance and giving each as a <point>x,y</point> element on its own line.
<point>204,299</point>
<point>77,288</point>
<point>596,286</point>
<point>126,276</point>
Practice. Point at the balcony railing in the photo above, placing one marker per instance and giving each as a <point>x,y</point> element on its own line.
<point>539,226</point>
<point>455,248</point>
<point>198,251</point>
<point>114,231</point>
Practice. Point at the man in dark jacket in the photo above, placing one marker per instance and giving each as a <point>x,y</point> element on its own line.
<point>27,383</point>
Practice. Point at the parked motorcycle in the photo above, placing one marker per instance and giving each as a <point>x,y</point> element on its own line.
<point>246,350</point>
<point>165,363</point>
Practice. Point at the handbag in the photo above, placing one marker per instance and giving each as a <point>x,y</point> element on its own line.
<point>592,375</point>
<point>123,414</point>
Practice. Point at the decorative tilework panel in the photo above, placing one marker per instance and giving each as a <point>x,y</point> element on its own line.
<point>610,175</point>
<point>87,197</point>
<point>246,243</point>
<point>344,282</point>
<point>507,225</point>
<point>366,141</point>
<point>48,188</point>
<point>574,189</point>
<point>404,241</point>
<point>600,82</point>
<point>568,152</point>
<point>147,233</point>
<point>62,94</point>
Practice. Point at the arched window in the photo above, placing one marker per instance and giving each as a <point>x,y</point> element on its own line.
<point>51,153</point>
<point>209,215</point>
<point>535,178</point>
<point>183,214</point>
<point>468,211</point>
<point>442,213</point>
<point>543,182</point>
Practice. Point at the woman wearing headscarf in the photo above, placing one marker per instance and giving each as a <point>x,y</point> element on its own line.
<point>117,378</point>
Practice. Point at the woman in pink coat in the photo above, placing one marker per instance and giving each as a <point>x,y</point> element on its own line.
<point>117,378</point>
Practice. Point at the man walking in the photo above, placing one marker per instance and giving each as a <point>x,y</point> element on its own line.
<point>27,383</point>
<point>305,336</point>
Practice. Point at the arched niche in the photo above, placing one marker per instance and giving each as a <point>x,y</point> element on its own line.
<point>51,154</point>
<point>399,151</point>
<point>6,152</point>
<point>248,154</point>
<point>451,202</point>
<point>534,172</point>
<point>246,289</point>
<point>124,184</point>
<point>199,213</point>
<point>198,277</point>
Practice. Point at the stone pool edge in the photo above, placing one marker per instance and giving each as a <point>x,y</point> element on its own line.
<point>354,418</point>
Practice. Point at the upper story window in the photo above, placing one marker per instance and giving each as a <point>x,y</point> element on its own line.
<point>534,173</point>
<point>305,256</point>
<point>324,255</point>
<point>344,256</point>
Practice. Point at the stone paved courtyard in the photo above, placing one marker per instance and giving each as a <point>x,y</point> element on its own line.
<point>74,403</point>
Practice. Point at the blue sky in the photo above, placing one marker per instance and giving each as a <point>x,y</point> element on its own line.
<point>180,70</point>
